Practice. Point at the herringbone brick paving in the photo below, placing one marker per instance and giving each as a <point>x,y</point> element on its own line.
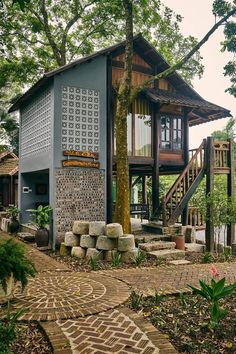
<point>107,332</point>
<point>86,307</point>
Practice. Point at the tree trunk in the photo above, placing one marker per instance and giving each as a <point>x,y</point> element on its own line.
<point>122,210</point>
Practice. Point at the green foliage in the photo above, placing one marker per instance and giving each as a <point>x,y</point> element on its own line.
<point>9,330</point>
<point>213,293</point>
<point>157,299</point>
<point>13,261</point>
<point>220,8</point>
<point>136,300</point>
<point>182,300</point>
<point>227,253</point>
<point>93,262</point>
<point>13,211</point>
<point>141,257</point>
<point>116,259</point>
<point>41,216</point>
<point>9,130</point>
<point>208,258</point>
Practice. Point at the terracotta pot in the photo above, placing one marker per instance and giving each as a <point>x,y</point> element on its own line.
<point>4,297</point>
<point>179,241</point>
<point>42,237</point>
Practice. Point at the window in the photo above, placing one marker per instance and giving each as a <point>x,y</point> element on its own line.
<point>171,132</point>
<point>139,132</point>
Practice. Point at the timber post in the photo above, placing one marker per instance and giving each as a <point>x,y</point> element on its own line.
<point>230,190</point>
<point>109,199</point>
<point>209,165</point>
<point>156,155</point>
<point>186,158</point>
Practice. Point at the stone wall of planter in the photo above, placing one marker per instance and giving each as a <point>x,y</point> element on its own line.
<point>97,240</point>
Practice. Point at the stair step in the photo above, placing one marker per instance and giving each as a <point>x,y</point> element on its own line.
<point>168,254</point>
<point>156,246</point>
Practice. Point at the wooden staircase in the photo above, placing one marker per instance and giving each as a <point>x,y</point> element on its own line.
<point>177,198</point>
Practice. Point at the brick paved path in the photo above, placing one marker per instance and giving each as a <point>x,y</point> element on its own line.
<point>84,313</point>
<point>170,279</point>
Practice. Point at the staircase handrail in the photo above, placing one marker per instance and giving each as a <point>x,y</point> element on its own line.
<point>166,198</point>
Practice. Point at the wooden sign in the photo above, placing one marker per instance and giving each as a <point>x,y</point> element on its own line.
<point>80,163</point>
<point>87,154</point>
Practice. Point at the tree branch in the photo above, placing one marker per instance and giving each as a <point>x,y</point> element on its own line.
<point>49,36</point>
<point>179,64</point>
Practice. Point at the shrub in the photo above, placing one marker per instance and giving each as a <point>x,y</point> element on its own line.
<point>141,256</point>
<point>14,262</point>
<point>116,259</point>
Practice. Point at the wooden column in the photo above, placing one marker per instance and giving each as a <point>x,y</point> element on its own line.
<point>186,156</point>
<point>230,191</point>
<point>209,161</point>
<point>144,190</point>
<point>109,198</point>
<point>156,155</point>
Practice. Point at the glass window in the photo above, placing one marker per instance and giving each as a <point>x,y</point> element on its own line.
<point>142,131</point>
<point>171,133</point>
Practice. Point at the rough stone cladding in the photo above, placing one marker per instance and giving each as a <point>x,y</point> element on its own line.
<point>80,195</point>
<point>36,125</point>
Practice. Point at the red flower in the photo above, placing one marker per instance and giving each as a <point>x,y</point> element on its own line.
<point>214,271</point>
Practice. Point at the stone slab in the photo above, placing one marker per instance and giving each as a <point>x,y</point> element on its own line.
<point>195,247</point>
<point>167,254</point>
<point>155,246</point>
<point>179,261</point>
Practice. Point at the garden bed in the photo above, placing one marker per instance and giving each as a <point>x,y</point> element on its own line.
<point>184,320</point>
<point>30,339</point>
<point>83,265</point>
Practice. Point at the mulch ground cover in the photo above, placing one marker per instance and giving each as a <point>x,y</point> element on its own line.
<point>184,320</point>
<point>31,339</point>
<point>83,265</point>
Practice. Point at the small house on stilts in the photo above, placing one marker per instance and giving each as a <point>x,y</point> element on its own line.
<point>67,139</point>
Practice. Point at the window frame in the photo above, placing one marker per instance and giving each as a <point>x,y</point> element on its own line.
<point>171,131</point>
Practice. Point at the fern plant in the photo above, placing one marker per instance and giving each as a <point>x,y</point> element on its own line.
<point>14,262</point>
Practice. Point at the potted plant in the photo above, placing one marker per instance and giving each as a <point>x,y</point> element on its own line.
<point>13,213</point>
<point>14,266</point>
<point>41,217</point>
<point>178,238</point>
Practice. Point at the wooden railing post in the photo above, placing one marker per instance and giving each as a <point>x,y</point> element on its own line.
<point>230,190</point>
<point>209,164</point>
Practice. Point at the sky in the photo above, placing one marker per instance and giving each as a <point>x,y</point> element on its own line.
<point>197,21</point>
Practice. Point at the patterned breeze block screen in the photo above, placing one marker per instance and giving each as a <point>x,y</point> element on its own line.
<point>80,119</point>
<point>36,125</point>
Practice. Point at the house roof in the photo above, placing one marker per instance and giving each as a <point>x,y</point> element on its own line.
<point>201,108</point>
<point>151,56</point>
<point>8,163</point>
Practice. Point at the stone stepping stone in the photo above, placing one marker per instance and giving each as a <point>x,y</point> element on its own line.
<point>156,246</point>
<point>168,253</point>
<point>179,262</point>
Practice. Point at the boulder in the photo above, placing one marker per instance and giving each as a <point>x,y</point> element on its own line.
<point>97,228</point>
<point>71,239</point>
<point>94,253</point>
<point>105,243</point>
<point>80,227</point>
<point>87,241</point>
<point>129,256</point>
<point>78,252</point>
<point>65,250</point>
<point>114,230</point>
<point>126,243</point>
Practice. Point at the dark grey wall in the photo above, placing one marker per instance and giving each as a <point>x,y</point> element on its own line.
<point>29,200</point>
